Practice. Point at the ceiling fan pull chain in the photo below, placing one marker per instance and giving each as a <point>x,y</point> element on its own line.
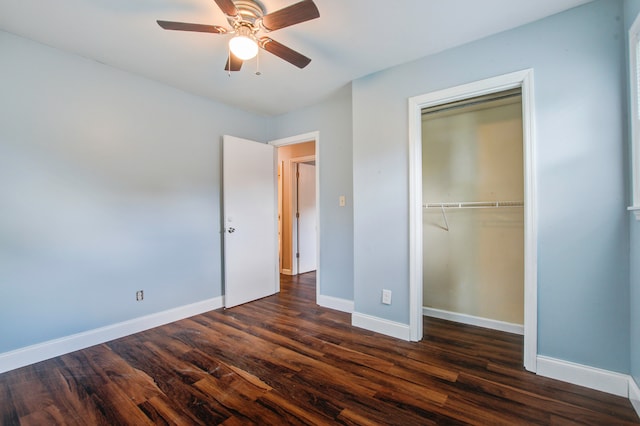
<point>258,64</point>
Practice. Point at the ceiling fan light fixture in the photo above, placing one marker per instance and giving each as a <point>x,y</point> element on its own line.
<point>247,19</point>
<point>243,45</point>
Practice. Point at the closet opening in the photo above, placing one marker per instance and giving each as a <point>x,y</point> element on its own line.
<point>473,211</point>
<point>472,215</point>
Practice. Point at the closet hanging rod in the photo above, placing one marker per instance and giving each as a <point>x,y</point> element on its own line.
<point>473,204</point>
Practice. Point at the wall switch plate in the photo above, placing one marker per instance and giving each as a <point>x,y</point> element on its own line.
<point>386,297</point>
<point>342,201</point>
<point>139,295</point>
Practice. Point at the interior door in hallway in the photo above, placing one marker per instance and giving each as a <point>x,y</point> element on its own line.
<point>250,220</point>
<point>306,212</point>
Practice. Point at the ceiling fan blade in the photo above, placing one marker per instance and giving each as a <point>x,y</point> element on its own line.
<point>184,26</point>
<point>227,7</point>
<point>291,15</point>
<point>284,52</point>
<point>233,63</point>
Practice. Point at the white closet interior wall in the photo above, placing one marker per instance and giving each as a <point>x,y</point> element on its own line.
<point>473,154</point>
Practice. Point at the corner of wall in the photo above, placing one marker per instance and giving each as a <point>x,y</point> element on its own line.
<point>583,375</point>
<point>634,395</point>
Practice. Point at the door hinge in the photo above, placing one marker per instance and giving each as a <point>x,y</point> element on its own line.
<point>297,255</point>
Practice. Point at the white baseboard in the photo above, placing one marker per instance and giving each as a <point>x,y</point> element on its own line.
<point>634,395</point>
<point>578,374</point>
<point>472,320</point>
<point>381,325</point>
<point>53,348</point>
<point>336,303</point>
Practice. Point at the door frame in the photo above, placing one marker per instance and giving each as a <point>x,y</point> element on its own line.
<point>301,138</point>
<point>519,79</point>
<point>293,207</point>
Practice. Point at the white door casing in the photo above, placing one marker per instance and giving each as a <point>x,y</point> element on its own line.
<point>250,220</point>
<point>524,80</point>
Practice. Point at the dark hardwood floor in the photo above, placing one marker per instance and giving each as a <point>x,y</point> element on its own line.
<point>284,360</point>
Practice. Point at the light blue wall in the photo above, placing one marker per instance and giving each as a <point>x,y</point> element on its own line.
<point>632,9</point>
<point>109,183</point>
<point>583,270</point>
<point>332,118</point>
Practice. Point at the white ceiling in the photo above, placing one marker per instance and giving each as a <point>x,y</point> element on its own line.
<point>352,38</point>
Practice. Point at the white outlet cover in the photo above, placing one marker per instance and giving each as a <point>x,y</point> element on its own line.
<point>386,297</point>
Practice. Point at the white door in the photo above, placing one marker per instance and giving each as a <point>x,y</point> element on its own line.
<point>280,212</point>
<point>306,218</point>
<point>250,222</point>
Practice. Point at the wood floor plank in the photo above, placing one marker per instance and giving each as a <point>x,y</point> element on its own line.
<point>291,413</point>
<point>162,411</point>
<point>70,398</point>
<point>497,391</point>
<point>179,389</point>
<point>285,360</point>
<point>50,415</point>
<point>8,413</point>
<point>372,418</point>
<point>223,343</point>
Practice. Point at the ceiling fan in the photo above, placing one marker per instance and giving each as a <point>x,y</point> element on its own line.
<point>248,22</point>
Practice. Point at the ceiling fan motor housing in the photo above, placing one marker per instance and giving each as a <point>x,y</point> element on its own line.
<point>250,12</point>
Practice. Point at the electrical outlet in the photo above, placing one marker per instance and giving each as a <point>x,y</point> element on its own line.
<point>386,297</point>
<point>139,295</point>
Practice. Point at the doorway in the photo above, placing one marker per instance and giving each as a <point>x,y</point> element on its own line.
<point>522,80</point>
<point>298,205</point>
<point>472,192</point>
<point>297,208</point>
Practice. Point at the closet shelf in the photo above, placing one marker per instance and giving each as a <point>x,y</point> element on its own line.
<point>473,205</point>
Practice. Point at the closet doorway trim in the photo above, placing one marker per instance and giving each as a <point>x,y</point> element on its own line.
<point>520,79</point>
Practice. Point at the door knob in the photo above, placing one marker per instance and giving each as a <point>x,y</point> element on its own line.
<point>231,230</point>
